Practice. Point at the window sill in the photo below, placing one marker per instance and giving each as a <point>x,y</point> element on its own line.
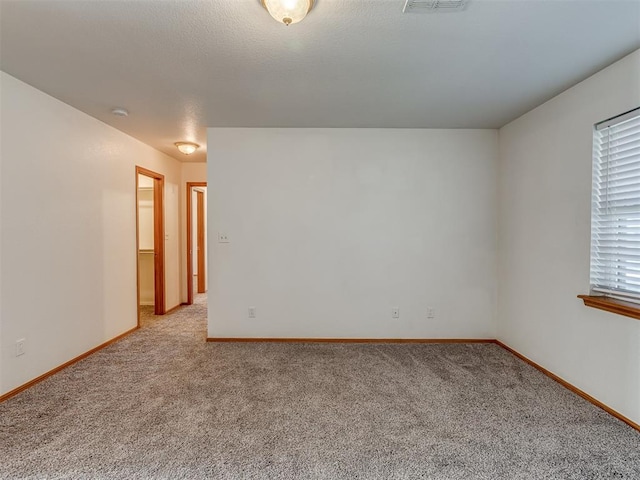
<point>610,305</point>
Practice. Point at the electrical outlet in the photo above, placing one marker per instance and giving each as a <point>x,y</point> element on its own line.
<point>431,312</point>
<point>223,238</point>
<point>395,312</point>
<point>20,347</point>
<point>252,312</point>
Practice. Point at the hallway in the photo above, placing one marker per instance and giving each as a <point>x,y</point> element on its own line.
<point>197,311</point>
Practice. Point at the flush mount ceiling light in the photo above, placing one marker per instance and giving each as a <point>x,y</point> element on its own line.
<point>187,147</point>
<point>288,11</point>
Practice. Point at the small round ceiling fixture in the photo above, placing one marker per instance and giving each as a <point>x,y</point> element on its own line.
<point>288,11</point>
<point>120,112</point>
<point>187,147</point>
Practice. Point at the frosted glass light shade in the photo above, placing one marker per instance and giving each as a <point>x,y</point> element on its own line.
<point>187,147</point>
<point>288,11</point>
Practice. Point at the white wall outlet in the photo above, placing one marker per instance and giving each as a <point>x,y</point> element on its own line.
<point>252,312</point>
<point>395,312</point>
<point>20,349</point>
<point>223,238</point>
<point>431,312</point>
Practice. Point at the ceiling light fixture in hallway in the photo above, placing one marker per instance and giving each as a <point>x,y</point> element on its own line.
<point>288,11</point>
<point>187,147</point>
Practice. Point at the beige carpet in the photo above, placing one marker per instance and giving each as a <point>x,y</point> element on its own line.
<point>163,404</point>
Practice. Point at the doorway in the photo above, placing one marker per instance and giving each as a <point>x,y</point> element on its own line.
<point>196,239</point>
<point>150,240</point>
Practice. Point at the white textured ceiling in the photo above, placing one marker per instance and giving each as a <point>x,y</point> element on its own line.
<point>183,66</point>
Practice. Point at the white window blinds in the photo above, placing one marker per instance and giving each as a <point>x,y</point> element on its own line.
<point>615,208</point>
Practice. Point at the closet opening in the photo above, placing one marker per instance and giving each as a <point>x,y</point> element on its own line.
<point>150,241</point>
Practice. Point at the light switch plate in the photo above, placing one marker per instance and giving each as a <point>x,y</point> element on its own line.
<point>20,349</point>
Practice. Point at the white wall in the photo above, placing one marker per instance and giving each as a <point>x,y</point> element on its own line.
<point>544,241</point>
<point>146,228</point>
<point>331,228</point>
<point>146,272</point>
<point>68,252</point>
<point>2,343</point>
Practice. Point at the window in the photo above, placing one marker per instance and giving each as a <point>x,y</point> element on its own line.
<point>615,208</point>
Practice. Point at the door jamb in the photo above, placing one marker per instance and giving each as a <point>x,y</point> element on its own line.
<point>158,240</point>
<point>190,186</point>
<point>200,242</point>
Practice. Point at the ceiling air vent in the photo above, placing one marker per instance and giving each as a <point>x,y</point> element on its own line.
<point>434,6</point>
